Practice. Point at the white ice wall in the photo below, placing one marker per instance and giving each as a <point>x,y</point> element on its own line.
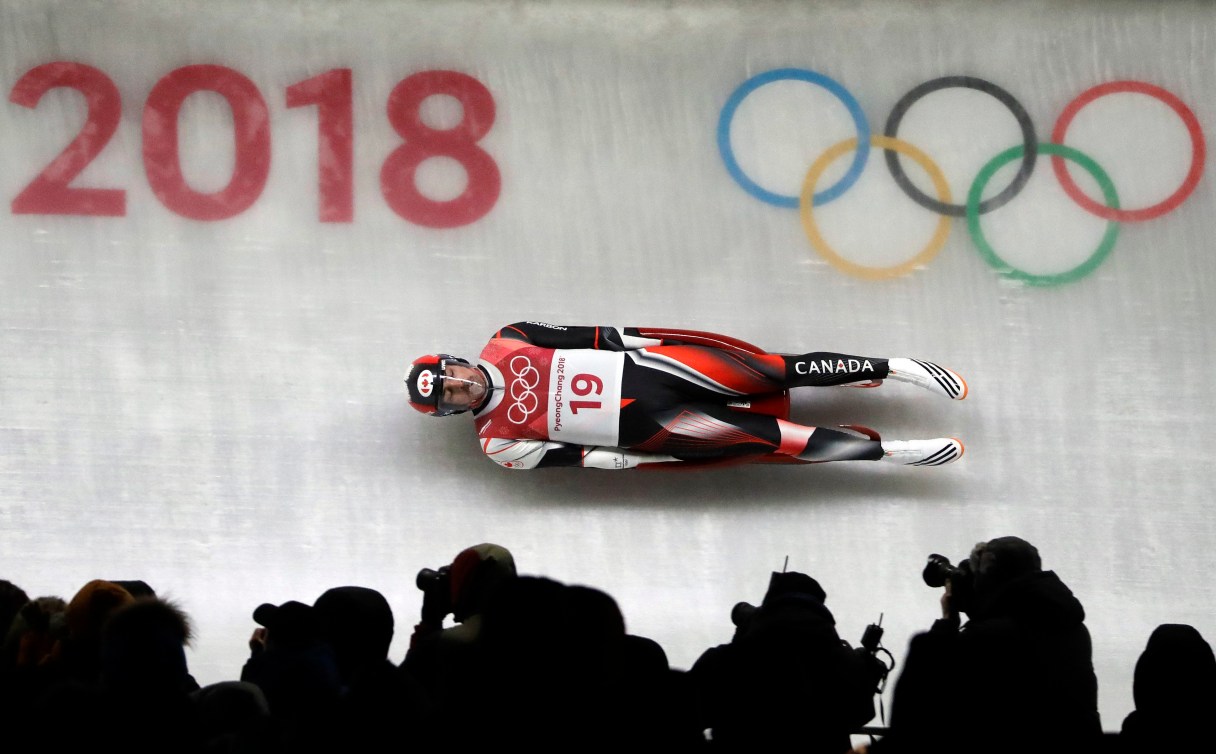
<point>215,405</point>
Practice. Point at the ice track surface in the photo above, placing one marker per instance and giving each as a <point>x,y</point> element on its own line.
<point>205,315</point>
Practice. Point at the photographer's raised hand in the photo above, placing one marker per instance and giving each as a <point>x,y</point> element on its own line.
<point>949,611</point>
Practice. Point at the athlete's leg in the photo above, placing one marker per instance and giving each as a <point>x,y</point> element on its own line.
<point>719,372</point>
<point>823,445</point>
<point>823,368</point>
<point>709,431</point>
<point>730,373</point>
<point>818,445</point>
<point>698,430</point>
<point>827,368</point>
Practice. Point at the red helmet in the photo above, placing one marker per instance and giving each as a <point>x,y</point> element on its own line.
<point>423,383</point>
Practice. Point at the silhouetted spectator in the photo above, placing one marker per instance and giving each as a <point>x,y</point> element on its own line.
<point>33,634</point>
<point>1174,689</point>
<point>786,681</point>
<point>78,655</point>
<point>358,623</point>
<point>12,599</point>
<point>143,649</point>
<point>26,664</point>
<point>445,660</point>
<point>143,669</point>
<point>296,670</point>
<point>379,702</point>
<point>233,716</point>
<point>117,679</point>
<point>1018,677</point>
<point>522,662</point>
<point>623,688</point>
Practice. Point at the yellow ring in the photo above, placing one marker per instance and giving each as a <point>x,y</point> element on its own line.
<point>859,270</point>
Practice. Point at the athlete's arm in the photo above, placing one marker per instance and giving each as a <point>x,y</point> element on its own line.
<point>539,454</point>
<point>577,336</point>
<point>619,338</point>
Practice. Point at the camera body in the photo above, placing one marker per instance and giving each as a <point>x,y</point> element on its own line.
<point>871,638</point>
<point>436,588</point>
<point>938,570</point>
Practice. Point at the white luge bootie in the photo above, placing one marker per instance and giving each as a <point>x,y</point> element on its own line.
<point>928,375</point>
<point>935,452</point>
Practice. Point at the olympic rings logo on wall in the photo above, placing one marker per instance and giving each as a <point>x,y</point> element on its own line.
<point>525,402</point>
<point>1028,151</point>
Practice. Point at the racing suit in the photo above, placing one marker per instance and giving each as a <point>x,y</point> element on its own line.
<point>618,398</point>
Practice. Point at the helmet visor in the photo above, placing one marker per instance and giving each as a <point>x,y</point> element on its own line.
<point>458,385</point>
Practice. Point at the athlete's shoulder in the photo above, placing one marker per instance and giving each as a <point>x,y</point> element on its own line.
<point>528,331</point>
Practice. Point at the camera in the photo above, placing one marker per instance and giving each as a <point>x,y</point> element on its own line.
<point>428,579</point>
<point>939,570</point>
<point>436,588</point>
<point>871,647</point>
<point>871,638</point>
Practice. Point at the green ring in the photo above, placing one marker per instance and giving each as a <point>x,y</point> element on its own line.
<point>1008,270</point>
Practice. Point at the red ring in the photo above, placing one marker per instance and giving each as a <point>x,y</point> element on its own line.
<point>1198,151</point>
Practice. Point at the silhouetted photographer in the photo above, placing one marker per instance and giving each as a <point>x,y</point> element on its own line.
<point>786,681</point>
<point>449,661</point>
<point>1016,677</point>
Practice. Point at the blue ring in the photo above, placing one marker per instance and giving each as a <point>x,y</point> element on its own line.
<point>797,74</point>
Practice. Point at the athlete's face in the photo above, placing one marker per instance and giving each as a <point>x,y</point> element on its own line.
<point>463,387</point>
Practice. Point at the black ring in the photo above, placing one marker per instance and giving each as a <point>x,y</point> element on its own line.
<point>1029,143</point>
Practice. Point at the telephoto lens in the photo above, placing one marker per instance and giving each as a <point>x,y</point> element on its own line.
<point>937,570</point>
<point>428,579</point>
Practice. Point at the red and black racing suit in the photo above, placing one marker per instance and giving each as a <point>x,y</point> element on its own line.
<point>611,397</point>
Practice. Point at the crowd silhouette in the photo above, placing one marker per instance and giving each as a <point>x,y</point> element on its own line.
<point>499,658</point>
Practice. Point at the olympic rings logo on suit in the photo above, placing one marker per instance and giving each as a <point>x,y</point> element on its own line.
<point>525,402</point>
<point>1028,152</point>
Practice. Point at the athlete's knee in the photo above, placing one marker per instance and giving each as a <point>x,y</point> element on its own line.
<point>820,444</point>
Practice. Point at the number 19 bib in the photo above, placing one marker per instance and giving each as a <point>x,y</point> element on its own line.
<point>585,396</point>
